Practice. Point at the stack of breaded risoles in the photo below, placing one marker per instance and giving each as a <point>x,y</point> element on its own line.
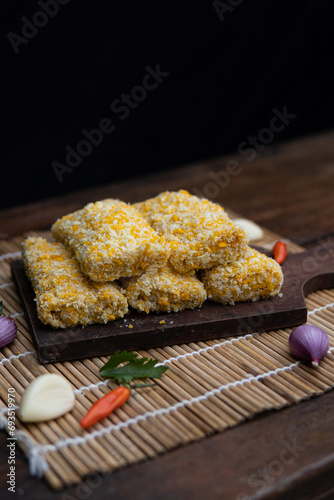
<point>64,295</point>
<point>154,247</point>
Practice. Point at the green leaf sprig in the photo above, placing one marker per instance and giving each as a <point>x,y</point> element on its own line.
<point>133,367</point>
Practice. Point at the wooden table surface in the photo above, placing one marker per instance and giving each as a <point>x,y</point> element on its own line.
<point>289,454</point>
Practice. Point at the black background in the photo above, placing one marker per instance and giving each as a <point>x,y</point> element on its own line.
<point>225,77</point>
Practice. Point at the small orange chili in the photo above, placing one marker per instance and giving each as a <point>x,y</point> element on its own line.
<point>106,405</point>
<point>280,252</point>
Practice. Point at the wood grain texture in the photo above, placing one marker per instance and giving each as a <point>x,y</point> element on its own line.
<point>287,188</point>
<point>291,193</point>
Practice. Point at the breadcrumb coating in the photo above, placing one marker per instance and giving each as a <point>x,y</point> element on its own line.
<point>64,296</point>
<point>254,276</point>
<point>199,232</point>
<point>164,291</point>
<point>110,239</point>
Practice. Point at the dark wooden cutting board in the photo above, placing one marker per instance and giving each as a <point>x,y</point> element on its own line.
<point>303,273</point>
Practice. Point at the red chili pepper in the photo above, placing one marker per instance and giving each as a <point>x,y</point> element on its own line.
<point>106,405</point>
<point>280,252</point>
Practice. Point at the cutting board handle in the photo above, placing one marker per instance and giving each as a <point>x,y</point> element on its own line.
<point>314,268</point>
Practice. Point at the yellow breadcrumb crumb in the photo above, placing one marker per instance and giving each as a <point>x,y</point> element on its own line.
<point>64,296</point>
<point>110,239</point>
<point>254,276</point>
<point>200,233</point>
<point>164,291</point>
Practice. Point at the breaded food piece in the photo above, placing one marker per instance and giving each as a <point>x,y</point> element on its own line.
<point>255,276</point>
<point>164,291</point>
<point>110,239</point>
<point>200,233</point>
<point>64,296</point>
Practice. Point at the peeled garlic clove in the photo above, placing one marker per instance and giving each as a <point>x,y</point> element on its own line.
<point>253,231</point>
<point>48,396</point>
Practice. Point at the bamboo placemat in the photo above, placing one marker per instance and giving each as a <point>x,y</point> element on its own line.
<point>210,386</point>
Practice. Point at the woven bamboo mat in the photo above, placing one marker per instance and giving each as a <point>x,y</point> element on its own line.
<point>210,386</point>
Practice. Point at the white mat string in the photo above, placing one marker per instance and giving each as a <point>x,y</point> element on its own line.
<point>11,255</point>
